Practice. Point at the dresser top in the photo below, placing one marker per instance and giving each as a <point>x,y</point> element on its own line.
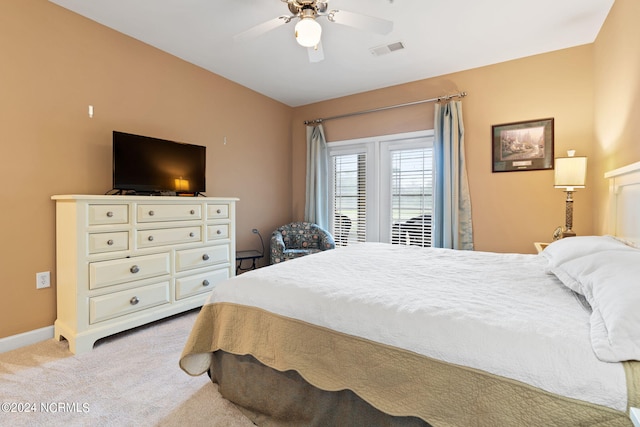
<point>122,198</point>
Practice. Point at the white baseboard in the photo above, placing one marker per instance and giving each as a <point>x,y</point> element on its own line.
<point>27,338</point>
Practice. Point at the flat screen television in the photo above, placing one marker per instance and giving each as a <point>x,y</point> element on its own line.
<point>146,165</point>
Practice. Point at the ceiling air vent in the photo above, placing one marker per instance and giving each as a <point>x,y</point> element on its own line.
<point>387,48</point>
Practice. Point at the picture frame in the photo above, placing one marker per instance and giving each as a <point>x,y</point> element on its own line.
<point>523,146</point>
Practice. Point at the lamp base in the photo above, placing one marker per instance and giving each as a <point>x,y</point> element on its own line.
<point>567,231</point>
<point>561,232</point>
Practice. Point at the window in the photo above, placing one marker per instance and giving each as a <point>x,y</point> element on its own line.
<point>381,189</point>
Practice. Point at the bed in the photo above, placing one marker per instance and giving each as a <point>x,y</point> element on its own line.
<point>380,334</point>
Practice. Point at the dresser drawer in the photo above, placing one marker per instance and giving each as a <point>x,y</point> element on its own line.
<point>107,273</point>
<point>167,236</point>
<point>108,242</point>
<point>217,211</point>
<point>199,283</point>
<point>108,214</point>
<point>158,213</point>
<point>117,304</point>
<point>201,257</point>
<point>218,231</point>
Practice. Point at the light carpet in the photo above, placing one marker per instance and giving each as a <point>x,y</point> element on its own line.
<point>129,379</point>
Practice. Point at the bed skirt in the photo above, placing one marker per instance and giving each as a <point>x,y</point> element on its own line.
<point>272,398</point>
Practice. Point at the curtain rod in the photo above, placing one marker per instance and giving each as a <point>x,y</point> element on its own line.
<point>358,113</point>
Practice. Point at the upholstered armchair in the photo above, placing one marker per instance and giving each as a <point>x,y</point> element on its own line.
<point>299,239</point>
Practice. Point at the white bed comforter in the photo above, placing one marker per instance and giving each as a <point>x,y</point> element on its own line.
<point>500,313</point>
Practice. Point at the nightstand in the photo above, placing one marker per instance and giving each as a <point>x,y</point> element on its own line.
<point>540,246</point>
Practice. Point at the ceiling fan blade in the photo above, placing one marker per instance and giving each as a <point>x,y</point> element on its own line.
<point>260,29</point>
<point>316,54</point>
<point>361,22</point>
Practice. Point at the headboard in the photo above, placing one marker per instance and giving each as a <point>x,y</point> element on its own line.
<point>624,202</point>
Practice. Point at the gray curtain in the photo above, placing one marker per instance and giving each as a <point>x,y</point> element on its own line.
<point>451,223</point>
<point>316,208</point>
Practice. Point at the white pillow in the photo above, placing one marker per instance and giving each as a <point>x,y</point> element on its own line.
<point>610,281</point>
<point>574,247</point>
<point>566,278</point>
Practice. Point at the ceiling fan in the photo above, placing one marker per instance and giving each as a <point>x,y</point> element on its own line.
<point>308,31</point>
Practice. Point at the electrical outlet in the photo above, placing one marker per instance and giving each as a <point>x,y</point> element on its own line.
<point>43,280</point>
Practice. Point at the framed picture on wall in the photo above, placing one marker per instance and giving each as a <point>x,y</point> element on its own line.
<point>523,146</point>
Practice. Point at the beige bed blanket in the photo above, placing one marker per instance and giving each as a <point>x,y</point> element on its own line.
<point>395,381</point>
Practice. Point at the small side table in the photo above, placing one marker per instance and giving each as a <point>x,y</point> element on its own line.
<point>251,255</point>
<point>540,246</point>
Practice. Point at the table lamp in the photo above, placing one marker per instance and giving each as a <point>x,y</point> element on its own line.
<point>570,173</point>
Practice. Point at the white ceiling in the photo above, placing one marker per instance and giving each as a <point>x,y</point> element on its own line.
<point>440,37</point>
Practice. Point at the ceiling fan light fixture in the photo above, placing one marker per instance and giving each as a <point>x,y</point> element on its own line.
<point>308,32</point>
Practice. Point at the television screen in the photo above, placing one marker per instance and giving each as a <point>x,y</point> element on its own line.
<point>143,165</point>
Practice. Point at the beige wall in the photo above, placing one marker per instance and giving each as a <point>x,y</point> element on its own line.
<point>617,97</point>
<point>510,210</point>
<point>54,64</point>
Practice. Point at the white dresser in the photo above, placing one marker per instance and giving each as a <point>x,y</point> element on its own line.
<point>123,261</point>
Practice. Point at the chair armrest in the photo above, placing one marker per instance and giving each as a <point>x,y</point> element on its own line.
<point>326,240</point>
<point>276,248</point>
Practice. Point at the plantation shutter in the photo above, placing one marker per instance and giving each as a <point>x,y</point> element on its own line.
<point>411,196</point>
<point>350,197</point>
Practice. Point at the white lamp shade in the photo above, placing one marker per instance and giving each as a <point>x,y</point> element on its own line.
<point>308,32</point>
<point>570,172</point>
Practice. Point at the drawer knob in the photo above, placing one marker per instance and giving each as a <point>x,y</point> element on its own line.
<point>134,269</point>
<point>205,257</point>
<point>219,211</point>
<point>110,242</point>
<point>205,282</point>
<point>109,214</point>
<point>151,213</point>
<point>192,234</point>
<point>218,231</point>
<point>134,301</point>
<point>192,212</point>
<point>150,238</point>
